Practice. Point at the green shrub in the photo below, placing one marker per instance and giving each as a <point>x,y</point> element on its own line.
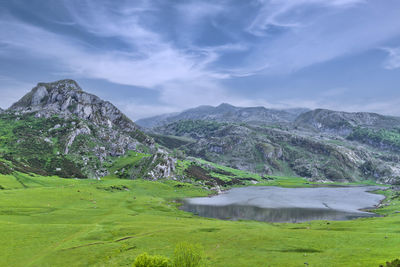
<point>187,255</point>
<point>394,263</point>
<point>145,260</point>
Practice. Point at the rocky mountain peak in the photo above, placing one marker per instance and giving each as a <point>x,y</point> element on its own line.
<point>225,106</point>
<point>61,85</point>
<point>66,98</point>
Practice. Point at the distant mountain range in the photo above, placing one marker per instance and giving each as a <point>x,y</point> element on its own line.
<point>319,144</point>
<point>227,113</point>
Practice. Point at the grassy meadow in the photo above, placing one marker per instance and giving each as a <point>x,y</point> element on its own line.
<point>50,221</point>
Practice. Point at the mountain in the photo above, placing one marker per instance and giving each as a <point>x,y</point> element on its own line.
<point>66,98</point>
<point>343,123</point>
<point>320,144</point>
<point>1,110</point>
<point>58,129</point>
<point>226,113</point>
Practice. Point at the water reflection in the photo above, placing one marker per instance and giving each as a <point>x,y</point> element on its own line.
<point>290,215</point>
<point>275,204</point>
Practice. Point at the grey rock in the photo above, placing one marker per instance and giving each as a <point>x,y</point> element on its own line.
<point>66,98</point>
<point>39,95</point>
<point>270,150</point>
<point>343,123</point>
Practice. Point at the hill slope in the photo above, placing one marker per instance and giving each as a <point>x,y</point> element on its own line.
<point>58,129</point>
<point>287,151</point>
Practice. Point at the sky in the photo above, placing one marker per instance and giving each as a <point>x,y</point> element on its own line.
<point>160,56</point>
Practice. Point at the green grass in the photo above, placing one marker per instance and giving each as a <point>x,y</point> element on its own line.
<point>270,180</point>
<point>236,172</point>
<point>130,158</point>
<point>68,222</point>
<point>378,137</point>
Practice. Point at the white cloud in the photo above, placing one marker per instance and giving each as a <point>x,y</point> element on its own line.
<point>322,34</point>
<point>194,12</point>
<point>148,67</point>
<point>282,13</point>
<point>150,62</point>
<point>187,74</point>
<point>393,59</point>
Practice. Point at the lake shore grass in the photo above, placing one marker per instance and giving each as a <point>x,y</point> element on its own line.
<point>49,221</point>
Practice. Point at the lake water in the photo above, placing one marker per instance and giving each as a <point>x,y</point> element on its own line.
<point>277,204</point>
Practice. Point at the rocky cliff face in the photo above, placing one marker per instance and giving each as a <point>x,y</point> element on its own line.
<point>284,151</point>
<point>343,123</point>
<point>226,113</point>
<point>66,98</point>
<point>80,128</point>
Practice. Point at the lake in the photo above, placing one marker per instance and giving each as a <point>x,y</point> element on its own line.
<point>277,204</point>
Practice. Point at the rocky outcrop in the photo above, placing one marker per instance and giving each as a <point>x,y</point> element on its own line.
<point>66,98</point>
<point>226,113</point>
<point>343,123</point>
<point>162,166</point>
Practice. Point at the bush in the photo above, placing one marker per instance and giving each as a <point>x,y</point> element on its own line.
<point>145,260</point>
<point>395,263</point>
<point>187,255</point>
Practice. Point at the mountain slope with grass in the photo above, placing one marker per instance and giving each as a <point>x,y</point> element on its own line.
<point>364,154</point>
<point>58,129</point>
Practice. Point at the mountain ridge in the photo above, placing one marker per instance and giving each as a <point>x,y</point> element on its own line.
<point>226,113</point>
<point>324,120</point>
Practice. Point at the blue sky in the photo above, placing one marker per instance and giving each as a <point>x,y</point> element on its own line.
<point>159,56</point>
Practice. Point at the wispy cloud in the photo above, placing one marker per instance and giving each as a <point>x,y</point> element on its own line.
<point>187,50</point>
<point>393,59</point>
<point>150,63</point>
<point>327,31</point>
<point>290,13</point>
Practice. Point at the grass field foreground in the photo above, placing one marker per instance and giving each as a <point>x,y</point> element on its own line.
<point>49,221</point>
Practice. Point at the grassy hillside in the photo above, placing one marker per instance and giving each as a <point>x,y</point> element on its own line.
<point>381,138</point>
<point>30,144</point>
<point>49,221</point>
